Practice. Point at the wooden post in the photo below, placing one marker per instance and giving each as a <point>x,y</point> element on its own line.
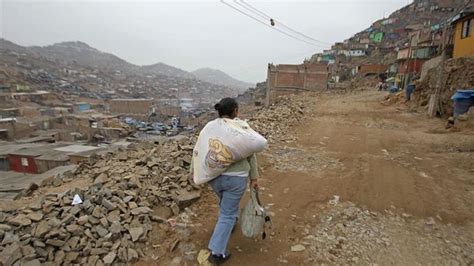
<point>434,104</point>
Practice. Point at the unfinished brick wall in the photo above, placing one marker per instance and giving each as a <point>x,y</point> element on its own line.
<point>290,79</point>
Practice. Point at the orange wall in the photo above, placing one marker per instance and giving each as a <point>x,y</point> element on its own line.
<point>463,47</point>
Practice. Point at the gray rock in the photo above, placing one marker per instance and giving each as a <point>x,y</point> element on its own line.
<point>34,262</point>
<point>41,229</point>
<point>28,251</point>
<point>140,210</point>
<point>175,208</point>
<point>38,243</point>
<point>5,227</point>
<point>83,219</point>
<point>115,228</point>
<point>92,260</point>
<point>10,254</point>
<point>101,231</point>
<point>102,178</point>
<point>75,229</point>
<point>20,220</point>
<point>132,255</point>
<point>59,257</point>
<point>71,256</point>
<point>9,238</point>
<point>99,251</point>
<point>103,221</point>
<point>73,241</point>
<point>55,242</point>
<point>127,199</point>
<point>113,217</point>
<point>108,204</point>
<point>68,219</point>
<point>97,212</point>
<point>187,198</point>
<point>109,258</point>
<point>35,216</point>
<point>136,233</point>
<point>75,210</point>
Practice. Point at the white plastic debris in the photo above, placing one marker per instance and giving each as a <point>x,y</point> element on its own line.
<point>76,200</point>
<point>334,201</point>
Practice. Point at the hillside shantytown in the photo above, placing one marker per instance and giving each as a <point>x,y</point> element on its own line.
<point>369,160</point>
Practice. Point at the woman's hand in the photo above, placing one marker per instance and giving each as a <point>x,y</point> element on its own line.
<point>254,183</point>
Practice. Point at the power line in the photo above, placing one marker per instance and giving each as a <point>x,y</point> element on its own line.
<point>256,19</point>
<point>264,15</point>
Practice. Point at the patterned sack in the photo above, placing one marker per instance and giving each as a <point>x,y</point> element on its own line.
<point>221,143</point>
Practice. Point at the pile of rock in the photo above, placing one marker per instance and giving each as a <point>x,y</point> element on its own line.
<point>114,214</point>
<point>347,234</point>
<point>275,121</point>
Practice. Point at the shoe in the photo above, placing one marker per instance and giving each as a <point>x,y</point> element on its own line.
<point>218,259</point>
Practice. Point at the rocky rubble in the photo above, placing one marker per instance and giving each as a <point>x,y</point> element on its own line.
<point>114,217</point>
<point>347,234</point>
<point>275,121</point>
<point>130,190</point>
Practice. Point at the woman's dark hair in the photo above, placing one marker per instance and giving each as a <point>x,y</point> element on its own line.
<point>226,106</point>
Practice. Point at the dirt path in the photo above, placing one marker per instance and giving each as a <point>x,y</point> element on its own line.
<point>412,191</point>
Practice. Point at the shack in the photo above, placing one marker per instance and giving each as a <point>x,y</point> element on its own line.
<point>6,149</point>
<point>51,160</point>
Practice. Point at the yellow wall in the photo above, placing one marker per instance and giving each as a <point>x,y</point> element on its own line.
<point>463,47</point>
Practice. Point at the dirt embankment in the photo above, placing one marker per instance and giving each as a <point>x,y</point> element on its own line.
<point>454,74</point>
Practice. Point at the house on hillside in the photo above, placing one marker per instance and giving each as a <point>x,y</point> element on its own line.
<point>463,34</point>
<point>353,52</point>
<point>376,36</point>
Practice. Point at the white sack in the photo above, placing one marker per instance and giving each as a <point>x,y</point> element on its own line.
<point>221,143</point>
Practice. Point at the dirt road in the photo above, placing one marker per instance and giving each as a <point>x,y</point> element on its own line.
<point>405,188</point>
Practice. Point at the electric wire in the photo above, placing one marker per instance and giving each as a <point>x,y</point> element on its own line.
<point>258,20</point>
<point>264,15</point>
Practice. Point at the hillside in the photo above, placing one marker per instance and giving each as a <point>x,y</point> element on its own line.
<point>418,24</point>
<point>164,69</point>
<point>83,55</point>
<point>218,77</point>
<point>77,69</point>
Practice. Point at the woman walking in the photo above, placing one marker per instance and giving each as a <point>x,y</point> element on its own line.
<point>229,187</point>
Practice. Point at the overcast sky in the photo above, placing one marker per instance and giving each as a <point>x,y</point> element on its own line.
<point>191,34</point>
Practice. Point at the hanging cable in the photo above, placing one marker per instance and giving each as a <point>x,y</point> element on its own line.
<point>258,20</point>
<point>265,16</point>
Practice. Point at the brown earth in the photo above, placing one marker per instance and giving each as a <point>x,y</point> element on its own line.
<point>411,182</point>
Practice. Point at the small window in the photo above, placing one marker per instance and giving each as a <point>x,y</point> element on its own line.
<point>466,28</point>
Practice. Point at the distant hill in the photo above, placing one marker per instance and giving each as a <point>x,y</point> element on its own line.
<point>8,45</point>
<point>220,78</point>
<point>82,54</point>
<point>164,69</point>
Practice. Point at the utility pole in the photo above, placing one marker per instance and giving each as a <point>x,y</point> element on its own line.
<point>434,103</point>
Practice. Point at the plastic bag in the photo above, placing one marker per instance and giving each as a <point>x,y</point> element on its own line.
<point>221,143</point>
<point>254,217</point>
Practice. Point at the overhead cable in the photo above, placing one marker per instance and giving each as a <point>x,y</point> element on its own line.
<point>278,23</point>
<point>262,22</point>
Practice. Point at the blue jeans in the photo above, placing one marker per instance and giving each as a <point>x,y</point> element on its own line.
<point>229,190</point>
